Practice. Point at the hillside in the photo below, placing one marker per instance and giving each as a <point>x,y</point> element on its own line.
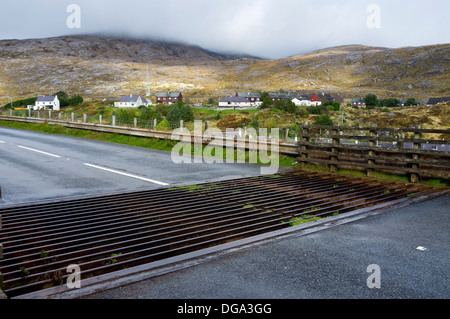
<point>99,66</point>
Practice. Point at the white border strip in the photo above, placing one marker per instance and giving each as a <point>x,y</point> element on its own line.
<point>32,149</point>
<point>126,174</point>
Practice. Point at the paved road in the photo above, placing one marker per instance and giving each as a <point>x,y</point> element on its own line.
<point>330,264</point>
<point>37,166</point>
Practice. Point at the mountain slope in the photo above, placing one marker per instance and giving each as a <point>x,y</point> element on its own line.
<point>99,66</point>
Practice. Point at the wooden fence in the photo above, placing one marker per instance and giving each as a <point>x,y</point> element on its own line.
<point>414,152</point>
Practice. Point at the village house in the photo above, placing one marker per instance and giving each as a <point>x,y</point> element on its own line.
<point>325,97</point>
<point>281,96</point>
<point>169,97</point>
<point>437,100</point>
<point>234,102</point>
<point>358,102</point>
<point>315,100</point>
<point>302,100</point>
<point>337,98</point>
<point>47,103</point>
<point>253,98</point>
<point>132,101</point>
<point>297,99</point>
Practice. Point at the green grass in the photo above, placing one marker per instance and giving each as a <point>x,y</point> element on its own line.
<point>307,219</point>
<point>199,112</point>
<point>437,182</point>
<point>303,220</point>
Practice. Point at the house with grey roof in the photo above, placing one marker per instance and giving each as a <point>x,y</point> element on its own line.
<point>132,101</point>
<point>254,98</point>
<point>438,100</point>
<point>234,102</point>
<point>169,97</point>
<point>358,102</point>
<point>47,103</point>
<point>276,96</point>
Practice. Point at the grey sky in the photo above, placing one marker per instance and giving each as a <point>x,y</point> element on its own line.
<point>266,28</point>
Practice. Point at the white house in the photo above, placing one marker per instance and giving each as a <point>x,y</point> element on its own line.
<point>47,103</point>
<point>303,100</point>
<point>132,101</point>
<point>234,102</point>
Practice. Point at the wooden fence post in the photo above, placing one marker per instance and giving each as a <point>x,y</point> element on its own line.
<point>371,153</point>
<point>285,134</point>
<point>335,150</point>
<point>415,177</point>
<point>302,154</point>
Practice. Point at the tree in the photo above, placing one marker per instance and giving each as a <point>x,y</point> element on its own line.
<point>371,100</point>
<point>62,94</point>
<point>324,120</point>
<point>63,98</point>
<point>264,95</point>
<point>147,114</point>
<point>411,101</point>
<point>290,107</point>
<point>266,103</point>
<point>186,113</point>
<point>75,100</point>
<point>174,114</point>
<point>389,102</point>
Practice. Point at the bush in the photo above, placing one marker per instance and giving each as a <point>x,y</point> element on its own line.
<point>186,113</point>
<point>174,114</point>
<point>75,100</point>
<point>163,126</point>
<point>324,120</point>
<point>389,102</point>
<point>411,101</point>
<point>332,105</point>
<point>21,103</point>
<point>180,111</point>
<point>147,114</point>
<point>371,100</point>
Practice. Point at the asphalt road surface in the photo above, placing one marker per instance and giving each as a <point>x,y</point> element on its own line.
<point>410,246</point>
<point>37,166</point>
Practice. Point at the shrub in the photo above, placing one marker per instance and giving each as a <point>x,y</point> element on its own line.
<point>324,120</point>
<point>163,126</point>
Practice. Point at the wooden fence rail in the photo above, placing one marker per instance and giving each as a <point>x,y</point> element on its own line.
<point>396,151</point>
